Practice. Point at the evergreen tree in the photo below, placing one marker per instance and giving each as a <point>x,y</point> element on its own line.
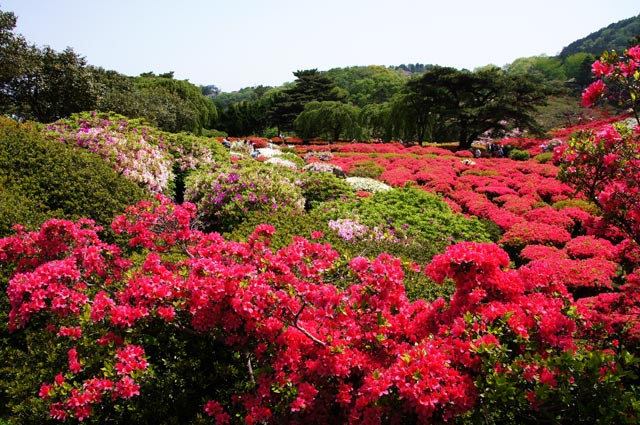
<point>310,85</point>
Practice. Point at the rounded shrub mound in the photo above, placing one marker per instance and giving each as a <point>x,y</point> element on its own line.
<point>41,179</point>
<point>226,196</point>
<point>519,155</point>
<point>369,169</point>
<point>130,147</point>
<point>320,187</point>
<point>416,213</point>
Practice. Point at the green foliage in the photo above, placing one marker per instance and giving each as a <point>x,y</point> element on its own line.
<point>318,187</point>
<point>48,85</point>
<point>293,157</point>
<point>445,101</point>
<point>328,119</point>
<point>24,356</point>
<point>544,157</point>
<point>582,204</point>
<point>226,196</point>
<point>369,169</point>
<point>174,105</point>
<point>494,232</point>
<point>213,133</point>
<point>18,208</point>
<point>310,85</point>
<point>419,286</point>
<point>246,117</point>
<point>368,84</point>
<point>616,36</point>
<point>519,155</point>
<point>48,179</point>
<point>578,68</point>
<point>532,388</point>
<point>540,68</point>
<point>416,213</point>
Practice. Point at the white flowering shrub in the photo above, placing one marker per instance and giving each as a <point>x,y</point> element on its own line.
<point>368,185</point>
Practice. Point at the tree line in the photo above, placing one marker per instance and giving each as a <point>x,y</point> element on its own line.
<point>41,84</point>
<point>415,103</point>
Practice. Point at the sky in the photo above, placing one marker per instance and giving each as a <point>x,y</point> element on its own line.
<point>244,43</point>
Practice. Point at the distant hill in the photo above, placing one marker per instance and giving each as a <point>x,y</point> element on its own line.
<point>616,36</point>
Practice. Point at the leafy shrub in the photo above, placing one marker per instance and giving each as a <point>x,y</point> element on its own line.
<point>324,167</point>
<point>416,213</point>
<point>544,157</point>
<point>40,179</point>
<point>368,185</point>
<point>293,158</point>
<point>319,187</point>
<point>17,208</point>
<point>225,196</point>
<point>369,169</point>
<point>582,204</point>
<point>519,155</point>
<point>131,147</point>
<point>213,133</point>
<point>493,230</point>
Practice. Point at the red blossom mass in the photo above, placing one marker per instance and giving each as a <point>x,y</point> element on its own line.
<point>364,352</point>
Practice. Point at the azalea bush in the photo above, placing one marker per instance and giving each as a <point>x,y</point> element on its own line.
<point>604,166</point>
<point>41,179</point>
<point>130,147</point>
<point>318,187</point>
<point>226,196</point>
<point>413,212</point>
<point>617,76</point>
<point>369,169</point>
<point>287,342</point>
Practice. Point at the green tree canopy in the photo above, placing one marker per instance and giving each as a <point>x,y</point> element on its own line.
<point>310,85</point>
<point>368,84</point>
<point>174,105</point>
<point>468,103</point>
<point>329,119</point>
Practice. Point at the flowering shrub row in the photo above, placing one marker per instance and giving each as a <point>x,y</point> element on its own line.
<point>311,350</point>
<point>144,154</point>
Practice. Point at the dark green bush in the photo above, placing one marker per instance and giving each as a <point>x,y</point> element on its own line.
<point>41,179</point>
<point>519,155</point>
<point>319,187</point>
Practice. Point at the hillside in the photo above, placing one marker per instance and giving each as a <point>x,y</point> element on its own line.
<point>616,36</point>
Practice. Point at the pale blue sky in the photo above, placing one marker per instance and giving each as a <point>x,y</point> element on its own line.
<point>242,43</point>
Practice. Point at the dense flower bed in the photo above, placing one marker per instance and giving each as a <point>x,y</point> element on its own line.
<point>313,350</point>
<point>541,326</point>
